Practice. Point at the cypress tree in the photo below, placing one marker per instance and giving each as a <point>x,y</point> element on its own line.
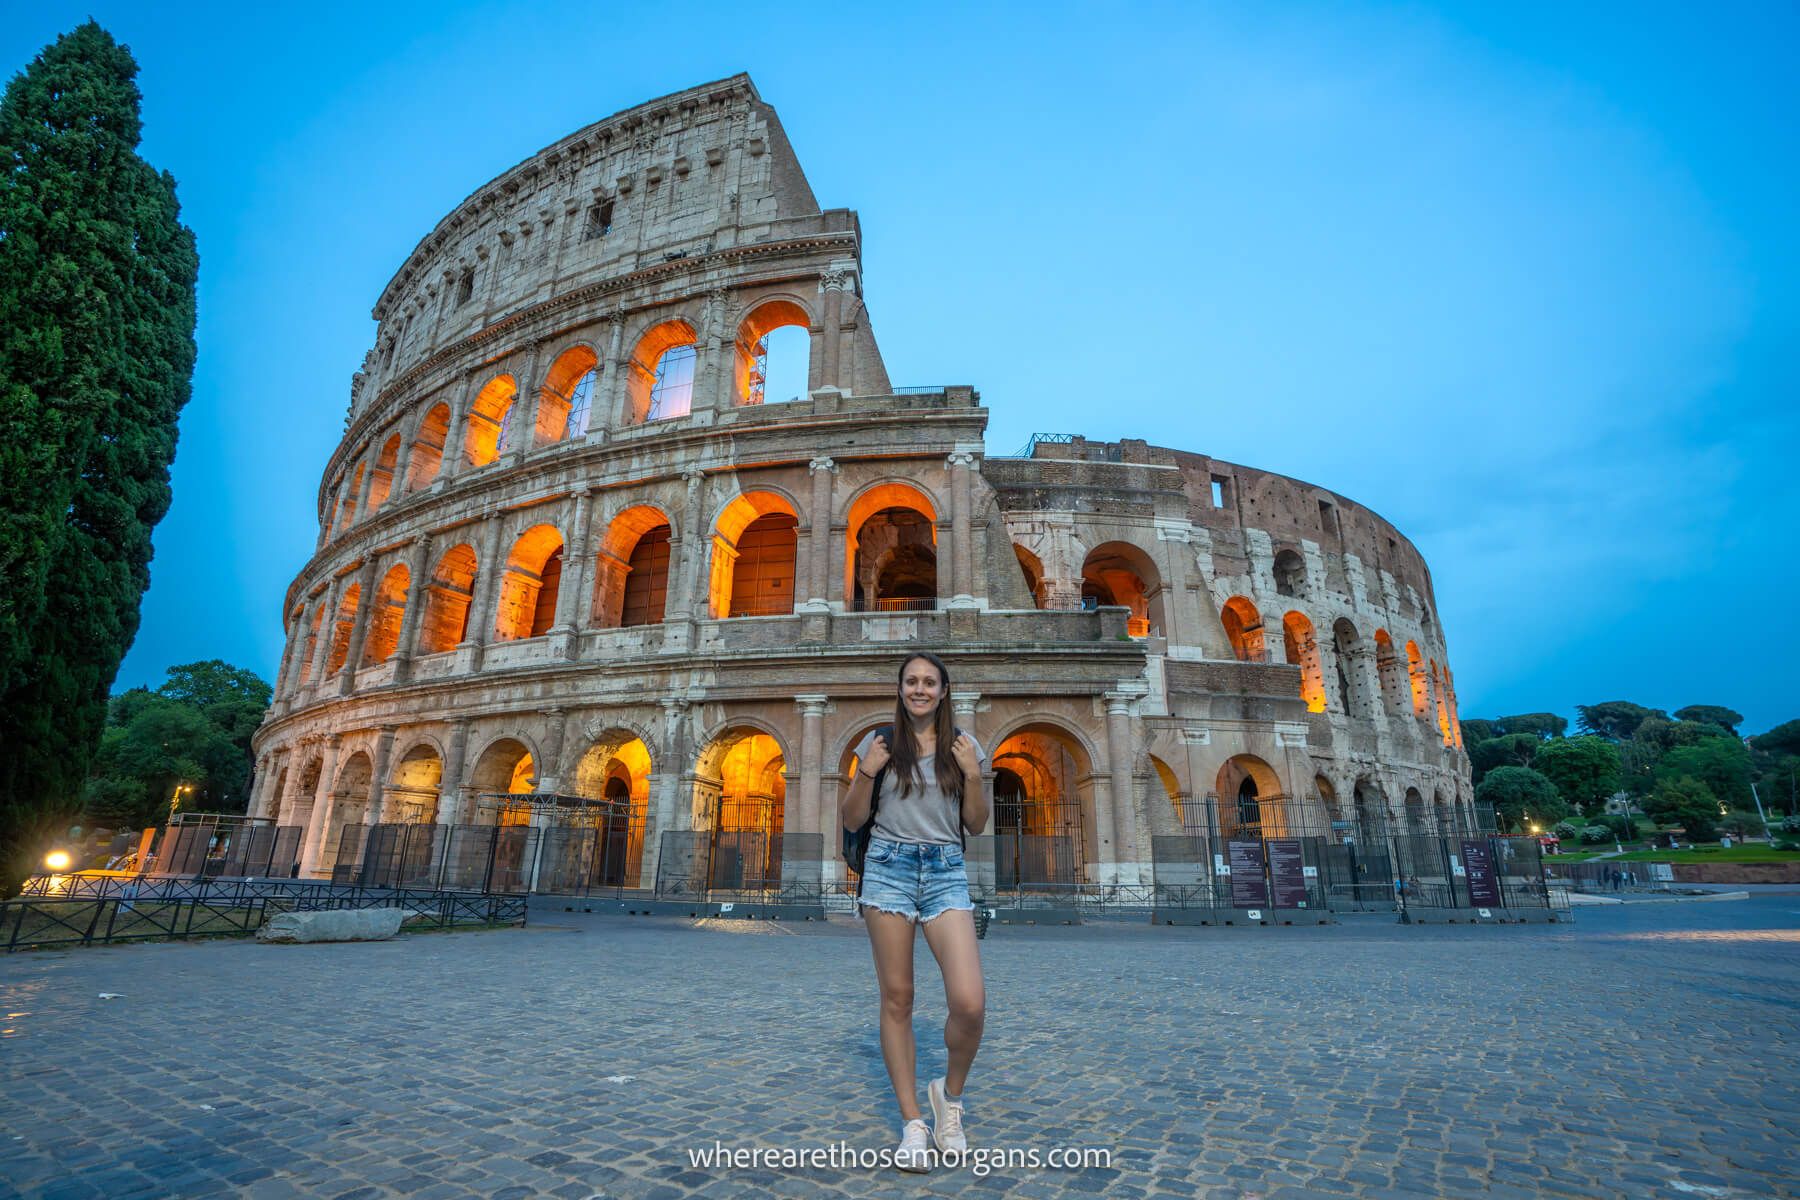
<point>96,357</point>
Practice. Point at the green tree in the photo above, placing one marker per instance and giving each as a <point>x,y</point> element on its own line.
<point>1584,769</point>
<point>1476,730</point>
<point>1687,802</point>
<point>233,699</point>
<point>1542,725</point>
<point>1712,714</point>
<point>96,352</point>
<point>1721,763</point>
<point>1783,739</point>
<point>1614,720</point>
<point>1513,749</point>
<point>1517,791</point>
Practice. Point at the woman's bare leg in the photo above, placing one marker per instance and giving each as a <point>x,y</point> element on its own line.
<point>951,937</point>
<point>891,940</point>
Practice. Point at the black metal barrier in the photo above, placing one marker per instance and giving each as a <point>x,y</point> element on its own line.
<point>729,866</point>
<point>471,858</point>
<point>94,910</point>
<point>228,847</point>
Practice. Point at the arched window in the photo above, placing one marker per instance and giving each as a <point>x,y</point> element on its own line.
<point>753,557</point>
<point>445,623</point>
<point>1303,651</point>
<point>566,400</point>
<point>385,616</point>
<point>1387,666</point>
<point>486,437</point>
<point>1421,686</point>
<point>774,347</point>
<point>1034,573</point>
<point>312,643</point>
<point>347,505</point>
<point>428,448</point>
<point>662,373</point>
<point>1118,573</point>
<point>1290,574</point>
<point>892,559</point>
<point>383,481</point>
<point>341,627</point>
<point>740,787</point>
<point>1352,685</point>
<point>1244,630</point>
<point>528,589</point>
<point>631,570</point>
<point>1251,801</point>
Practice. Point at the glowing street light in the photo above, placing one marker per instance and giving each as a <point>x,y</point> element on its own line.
<point>57,860</point>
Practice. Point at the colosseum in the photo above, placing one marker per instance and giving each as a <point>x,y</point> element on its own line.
<point>579,580</point>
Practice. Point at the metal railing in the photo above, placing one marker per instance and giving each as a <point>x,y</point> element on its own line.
<point>104,909</point>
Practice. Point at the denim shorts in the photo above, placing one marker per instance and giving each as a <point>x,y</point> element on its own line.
<point>916,880</point>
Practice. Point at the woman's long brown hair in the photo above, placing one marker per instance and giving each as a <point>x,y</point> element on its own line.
<point>906,746</point>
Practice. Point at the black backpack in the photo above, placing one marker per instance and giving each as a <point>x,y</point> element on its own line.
<point>856,841</point>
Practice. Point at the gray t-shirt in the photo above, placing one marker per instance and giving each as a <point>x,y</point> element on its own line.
<point>927,816</point>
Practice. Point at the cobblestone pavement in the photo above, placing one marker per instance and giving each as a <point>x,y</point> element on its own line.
<point>1646,1051</point>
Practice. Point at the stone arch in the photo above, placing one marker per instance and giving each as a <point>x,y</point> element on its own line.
<point>382,483</point>
<point>1033,567</point>
<point>1347,649</point>
<point>1414,808</point>
<point>1251,800</point>
<point>386,614</point>
<point>342,624</point>
<point>305,797</point>
<point>413,791</point>
<point>1179,800</point>
<point>1120,573</point>
<point>1415,674</point>
<point>445,623</point>
<point>484,438</point>
<point>740,799</point>
<point>350,803</point>
<point>566,400</point>
<point>1244,630</point>
<point>1370,807</point>
<point>631,571</point>
<point>1387,669</point>
<point>660,386</point>
<point>528,588</point>
<point>751,351</point>
<point>1044,822</point>
<point>754,555</point>
<point>1326,793</point>
<point>1290,573</point>
<point>427,457</point>
<point>882,519</point>
<point>1302,648</point>
<point>615,770</point>
<point>312,643</point>
<point>1443,813</point>
<point>507,766</point>
<point>347,501</point>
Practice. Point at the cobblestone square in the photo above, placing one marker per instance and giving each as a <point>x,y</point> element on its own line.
<point>1648,1050</point>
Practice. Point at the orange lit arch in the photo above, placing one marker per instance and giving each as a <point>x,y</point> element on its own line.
<point>753,556</point>
<point>761,321</point>
<point>487,420</point>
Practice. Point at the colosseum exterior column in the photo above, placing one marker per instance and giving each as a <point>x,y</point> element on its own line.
<point>963,708</point>
<point>327,633</point>
<point>297,766</point>
<point>811,816</point>
<point>359,625</point>
<point>1172,547</point>
<point>384,749</point>
<point>417,588</point>
<point>490,571</point>
<point>818,536</point>
<point>683,598</point>
<point>1127,854</point>
<point>960,464</point>
<point>831,287</point>
<point>575,584</point>
<point>449,810</point>
<point>670,768</point>
<point>323,797</point>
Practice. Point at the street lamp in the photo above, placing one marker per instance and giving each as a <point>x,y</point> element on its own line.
<point>175,800</point>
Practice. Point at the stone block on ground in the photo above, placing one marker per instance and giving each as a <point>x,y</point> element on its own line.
<point>333,925</point>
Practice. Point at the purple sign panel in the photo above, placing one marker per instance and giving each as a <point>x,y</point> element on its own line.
<point>1484,887</point>
<point>1248,887</point>
<point>1287,870</point>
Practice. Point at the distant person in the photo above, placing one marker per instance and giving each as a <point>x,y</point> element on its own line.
<point>929,778</point>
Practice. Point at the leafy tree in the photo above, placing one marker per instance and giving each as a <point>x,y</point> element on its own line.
<point>1476,730</point>
<point>1513,749</point>
<point>1614,720</point>
<point>1516,791</point>
<point>1543,725</point>
<point>1721,763</point>
<point>233,699</point>
<point>1584,769</point>
<point>1712,714</point>
<point>1783,739</point>
<point>96,352</point>
<point>1687,802</point>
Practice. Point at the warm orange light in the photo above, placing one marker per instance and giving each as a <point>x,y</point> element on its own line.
<point>57,860</point>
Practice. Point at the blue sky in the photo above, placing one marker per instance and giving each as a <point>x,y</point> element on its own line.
<point>1522,278</point>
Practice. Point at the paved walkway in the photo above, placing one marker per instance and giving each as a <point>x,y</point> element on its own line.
<point>1647,1051</point>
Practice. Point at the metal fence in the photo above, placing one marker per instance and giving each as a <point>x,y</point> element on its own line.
<point>470,858</point>
<point>94,910</point>
<point>731,865</point>
<point>209,844</point>
<point>1598,876</point>
<point>1191,871</point>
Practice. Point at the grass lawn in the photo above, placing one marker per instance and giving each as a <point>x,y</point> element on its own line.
<point>1737,854</point>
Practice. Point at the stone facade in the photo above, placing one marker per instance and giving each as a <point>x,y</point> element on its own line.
<point>564,548</point>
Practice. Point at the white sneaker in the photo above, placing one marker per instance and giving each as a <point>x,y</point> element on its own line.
<point>914,1153</point>
<point>948,1115</point>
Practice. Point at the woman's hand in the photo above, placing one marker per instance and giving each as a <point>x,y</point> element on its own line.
<point>876,758</point>
<point>966,756</point>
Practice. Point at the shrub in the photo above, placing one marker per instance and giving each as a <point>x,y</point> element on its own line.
<point>1567,831</point>
<point>1595,835</point>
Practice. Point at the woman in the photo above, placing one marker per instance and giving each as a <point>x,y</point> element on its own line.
<point>913,872</point>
